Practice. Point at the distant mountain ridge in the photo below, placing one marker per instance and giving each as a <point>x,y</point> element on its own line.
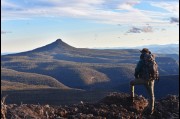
<point>158,49</point>
<point>164,49</point>
<point>6,53</point>
<point>59,44</point>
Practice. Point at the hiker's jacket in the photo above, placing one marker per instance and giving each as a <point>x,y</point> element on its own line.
<point>139,68</point>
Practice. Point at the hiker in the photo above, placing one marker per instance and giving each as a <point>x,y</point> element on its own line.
<point>143,78</point>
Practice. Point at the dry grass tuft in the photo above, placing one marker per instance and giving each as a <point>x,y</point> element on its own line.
<point>3,107</point>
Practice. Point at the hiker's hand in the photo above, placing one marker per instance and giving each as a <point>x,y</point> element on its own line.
<point>157,79</point>
<point>151,79</point>
<point>136,76</point>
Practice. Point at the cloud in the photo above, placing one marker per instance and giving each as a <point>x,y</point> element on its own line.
<point>6,4</point>
<point>171,6</point>
<point>128,5</point>
<point>5,32</point>
<point>174,20</point>
<point>134,30</point>
<point>145,29</point>
<point>103,11</point>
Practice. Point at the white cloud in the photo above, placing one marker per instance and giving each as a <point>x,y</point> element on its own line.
<point>5,32</point>
<point>5,3</point>
<point>145,29</point>
<point>171,6</point>
<point>174,20</point>
<point>103,11</point>
<point>134,30</point>
<point>128,5</point>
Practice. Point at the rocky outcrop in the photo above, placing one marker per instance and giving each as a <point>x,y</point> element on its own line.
<point>113,106</point>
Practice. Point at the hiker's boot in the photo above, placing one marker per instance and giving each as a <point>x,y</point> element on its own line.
<point>148,111</point>
<point>152,105</point>
<point>150,108</point>
<point>131,99</point>
<point>152,111</point>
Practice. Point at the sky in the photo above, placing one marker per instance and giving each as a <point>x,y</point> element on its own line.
<point>29,24</point>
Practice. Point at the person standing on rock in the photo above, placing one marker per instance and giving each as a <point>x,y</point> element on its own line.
<point>142,78</point>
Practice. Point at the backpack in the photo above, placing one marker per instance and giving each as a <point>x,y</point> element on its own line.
<point>150,67</point>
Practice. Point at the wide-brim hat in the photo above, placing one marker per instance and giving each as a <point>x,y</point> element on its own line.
<point>144,50</point>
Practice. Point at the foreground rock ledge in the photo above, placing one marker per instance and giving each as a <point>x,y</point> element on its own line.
<point>113,106</point>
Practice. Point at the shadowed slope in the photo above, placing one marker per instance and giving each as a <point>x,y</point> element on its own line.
<point>14,78</point>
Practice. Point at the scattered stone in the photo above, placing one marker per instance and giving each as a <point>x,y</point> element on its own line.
<point>113,106</point>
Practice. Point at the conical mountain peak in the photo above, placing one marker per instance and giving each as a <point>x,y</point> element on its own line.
<point>60,44</point>
<point>55,46</point>
<point>58,41</point>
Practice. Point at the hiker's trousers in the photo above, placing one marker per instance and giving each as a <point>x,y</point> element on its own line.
<point>149,84</point>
